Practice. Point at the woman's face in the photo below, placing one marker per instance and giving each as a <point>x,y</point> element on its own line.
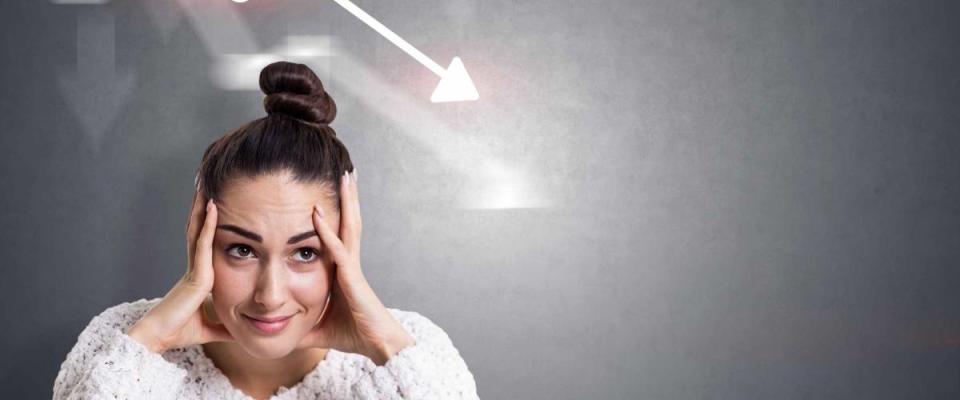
<point>268,261</point>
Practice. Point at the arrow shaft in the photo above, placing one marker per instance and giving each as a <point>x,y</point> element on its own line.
<point>96,50</point>
<point>220,26</point>
<point>392,37</point>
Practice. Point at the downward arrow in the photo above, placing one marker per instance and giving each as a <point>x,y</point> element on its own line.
<point>455,84</point>
<point>95,92</point>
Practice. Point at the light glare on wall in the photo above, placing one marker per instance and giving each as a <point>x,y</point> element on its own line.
<point>455,83</point>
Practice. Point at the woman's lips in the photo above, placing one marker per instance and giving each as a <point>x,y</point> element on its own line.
<point>275,326</point>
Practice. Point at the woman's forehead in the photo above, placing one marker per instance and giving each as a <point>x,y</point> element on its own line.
<point>275,192</point>
<point>272,201</point>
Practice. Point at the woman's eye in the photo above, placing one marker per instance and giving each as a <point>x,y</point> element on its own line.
<point>308,253</point>
<point>242,250</point>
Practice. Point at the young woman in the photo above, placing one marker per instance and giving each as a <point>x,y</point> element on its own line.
<point>273,303</point>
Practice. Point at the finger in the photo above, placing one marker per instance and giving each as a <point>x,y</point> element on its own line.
<point>202,269</point>
<point>356,194</point>
<point>348,229</point>
<point>197,214</point>
<point>193,206</point>
<point>329,240</point>
<point>350,218</point>
<point>337,296</point>
<point>357,222</point>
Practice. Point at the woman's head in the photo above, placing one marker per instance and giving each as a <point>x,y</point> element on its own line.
<point>265,177</point>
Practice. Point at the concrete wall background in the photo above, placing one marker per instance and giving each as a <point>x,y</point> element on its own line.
<point>737,199</point>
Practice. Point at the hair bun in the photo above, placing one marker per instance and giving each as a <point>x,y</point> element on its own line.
<point>294,90</point>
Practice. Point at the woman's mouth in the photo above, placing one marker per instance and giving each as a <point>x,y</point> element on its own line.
<point>271,325</point>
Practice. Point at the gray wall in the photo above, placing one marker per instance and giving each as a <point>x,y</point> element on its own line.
<point>711,199</point>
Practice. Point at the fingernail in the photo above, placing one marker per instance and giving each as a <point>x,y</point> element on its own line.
<point>354,173</point>
<point>318,211</point>
<point>346,177</point>
<point>209,205</point>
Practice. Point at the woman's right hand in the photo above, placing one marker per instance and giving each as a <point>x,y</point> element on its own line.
<point>178,320</point>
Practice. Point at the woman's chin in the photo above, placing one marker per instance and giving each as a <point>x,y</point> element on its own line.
<point>267,349</point>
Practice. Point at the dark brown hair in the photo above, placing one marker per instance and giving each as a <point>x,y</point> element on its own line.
<point>294,136</point>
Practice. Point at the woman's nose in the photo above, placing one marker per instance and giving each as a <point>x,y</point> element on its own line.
<point>271,291</point>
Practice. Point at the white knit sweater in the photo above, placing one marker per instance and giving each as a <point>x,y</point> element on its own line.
<point>106,363</point>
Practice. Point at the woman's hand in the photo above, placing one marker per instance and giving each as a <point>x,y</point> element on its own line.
<point>354,320</point>
<point>178,320</point>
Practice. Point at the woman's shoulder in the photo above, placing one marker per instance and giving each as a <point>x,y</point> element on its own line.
<point>430,368</point>
<point>420,326</point>
<point>105,358</point>
<point>125,314</point>
<point>107,324</point>
<point>410,317</point>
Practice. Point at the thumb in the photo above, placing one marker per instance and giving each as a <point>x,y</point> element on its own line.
<point>210,313</point>
<point>216,333</point>
<point>318,335</point>
<point>315,337</point>
<point>214,330</point>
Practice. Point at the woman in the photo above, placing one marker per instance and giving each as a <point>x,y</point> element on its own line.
<point>273,304</point>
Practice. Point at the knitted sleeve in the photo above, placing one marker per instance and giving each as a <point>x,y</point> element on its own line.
<point>432,368</point>
<point>106,363</point>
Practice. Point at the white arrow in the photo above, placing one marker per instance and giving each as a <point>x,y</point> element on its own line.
<point>96,90</point>
<point>455,84</point>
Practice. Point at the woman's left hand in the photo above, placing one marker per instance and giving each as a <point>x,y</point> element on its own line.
<point>354,320</point>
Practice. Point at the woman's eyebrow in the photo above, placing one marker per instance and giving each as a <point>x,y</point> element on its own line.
<point>259,239</point>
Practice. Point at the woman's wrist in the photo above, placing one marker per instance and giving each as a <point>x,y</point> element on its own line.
<point>391,347</point>
<point>141,333</point>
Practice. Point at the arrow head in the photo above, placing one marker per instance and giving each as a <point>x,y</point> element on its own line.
<point>96,98</point>
<point>455,85</point>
